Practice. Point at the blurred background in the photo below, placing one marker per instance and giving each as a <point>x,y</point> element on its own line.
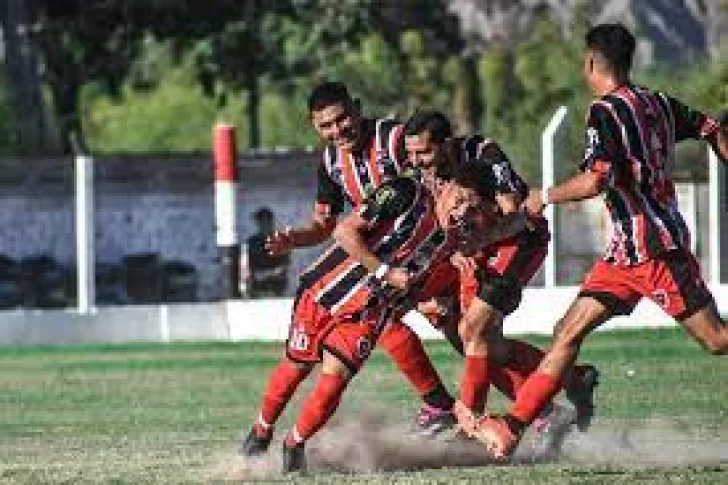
<point>139,84</point>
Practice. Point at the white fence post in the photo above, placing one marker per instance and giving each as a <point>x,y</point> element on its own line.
<point>547,180</point>
<point>714,216</point>
<point>85,233</point>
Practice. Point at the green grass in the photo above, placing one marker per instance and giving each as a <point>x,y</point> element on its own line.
<point>154,413</point>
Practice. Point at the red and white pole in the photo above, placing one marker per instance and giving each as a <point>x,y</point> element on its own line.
<point>226,183</point>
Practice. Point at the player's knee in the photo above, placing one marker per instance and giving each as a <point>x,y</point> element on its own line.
<point>717,346</point>
<point>567,335</point>
<point>471,329</point>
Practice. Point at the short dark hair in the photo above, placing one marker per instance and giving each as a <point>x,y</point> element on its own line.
<point>327,94</point>
<point>476,176</point>
<point>615,43</point>
<point>432,122</point>
<point>263,215</point>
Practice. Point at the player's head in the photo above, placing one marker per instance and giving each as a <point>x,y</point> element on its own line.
<point>470,190</point>
<point>264,219</point>
<point>425,134</point>
<point>609,52</point>
<point>335,115</point>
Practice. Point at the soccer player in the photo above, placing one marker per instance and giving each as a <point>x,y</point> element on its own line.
<point>361,154</point>
<point>630,150</point>
<point>348,295</point>
<point>489,285</point>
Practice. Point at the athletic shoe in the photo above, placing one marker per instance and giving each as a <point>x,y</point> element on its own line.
<point>551,429</point>
<point>581,395</point>
<point>431,421</point>
<point>294,458</point>
<point>255,444</point>
<point>497,437</point>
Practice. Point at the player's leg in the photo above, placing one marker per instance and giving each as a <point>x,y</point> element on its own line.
<point>675,283</point>
<point>708,329</point>
<point>282,384</point>
<point>316,410</point>
<point>501,435</point>
<point>518,260</point>
<point>435,414</point>
<point>475,328</point>
<point>406,350</point>
<point>346,346</point>
<point>302,352</point>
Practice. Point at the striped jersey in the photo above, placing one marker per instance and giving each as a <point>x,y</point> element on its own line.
<point>403,231</point>
<point>345,176</point>
<point>477,149</point>
<point>630,140</point>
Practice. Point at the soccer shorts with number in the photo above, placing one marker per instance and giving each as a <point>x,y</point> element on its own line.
<point>349,336</point>
<point>672,280</point>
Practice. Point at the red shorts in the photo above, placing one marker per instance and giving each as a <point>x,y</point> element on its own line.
<point>350,337</point>
<point>503,270</point>
<point>672,280</point>
<point>520,257</point>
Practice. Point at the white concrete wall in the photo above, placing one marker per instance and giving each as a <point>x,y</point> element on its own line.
<point>266,320</point>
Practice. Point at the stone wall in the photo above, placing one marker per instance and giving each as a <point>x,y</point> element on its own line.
<point>148,204</point>
<point>164,205</point>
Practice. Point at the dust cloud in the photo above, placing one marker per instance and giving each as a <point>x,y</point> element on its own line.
<point>372,442</point>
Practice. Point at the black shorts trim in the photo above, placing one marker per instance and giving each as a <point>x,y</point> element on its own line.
<point>694,307</point>
<point>695,295</point>
<point>501,292</point>
<point>349,364</point>
<point>613,303</point>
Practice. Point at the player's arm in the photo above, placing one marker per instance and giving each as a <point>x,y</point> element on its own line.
<point>693,124</point>
<point>385,204</point>
<point>600,155</point>
<point>488,230</point>
<point>329,203</point>
<point>508,184</point>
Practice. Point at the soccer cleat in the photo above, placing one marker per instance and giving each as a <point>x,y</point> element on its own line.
<point>497,437</point>
<point>581,395</point>
<point>294,457</point>
<point>255,444</point>
<point>551,429</point>
<point>431,421</point>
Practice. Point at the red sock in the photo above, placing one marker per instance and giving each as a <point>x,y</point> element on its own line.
<point>318,407</point>
<point>406,350</point>
<point>523,360</point>
<point>535,394</point>
<point>474,386</point>
<point>281,385</point>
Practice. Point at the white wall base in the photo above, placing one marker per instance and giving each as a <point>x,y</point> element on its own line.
<point>539,311</point>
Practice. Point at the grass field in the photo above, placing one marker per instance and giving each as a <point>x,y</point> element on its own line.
<point>148,413</point>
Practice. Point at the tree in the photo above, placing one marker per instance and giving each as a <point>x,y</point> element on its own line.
<point>81,41</point>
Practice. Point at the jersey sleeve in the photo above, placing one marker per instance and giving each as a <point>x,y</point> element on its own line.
<point>601,150</point>
<point>691,124</point>
<point>507,180</point>
<point>389,200</point>
<point>330,200</point>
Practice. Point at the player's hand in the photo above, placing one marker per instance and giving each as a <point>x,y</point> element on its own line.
<point>399,278</point>
<point>435,307</point>
<point>534,202</point>
<point>463,263</point>
<point>280,242</point>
